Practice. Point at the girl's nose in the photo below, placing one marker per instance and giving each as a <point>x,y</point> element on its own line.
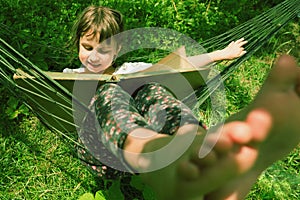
<point>94,57</point>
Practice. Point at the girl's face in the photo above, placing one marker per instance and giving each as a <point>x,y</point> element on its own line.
<point>94,56</point>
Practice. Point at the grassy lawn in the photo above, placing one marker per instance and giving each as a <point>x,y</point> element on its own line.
<point>38,164</point>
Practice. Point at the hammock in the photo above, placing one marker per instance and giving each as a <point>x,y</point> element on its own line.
<point>49,94</point>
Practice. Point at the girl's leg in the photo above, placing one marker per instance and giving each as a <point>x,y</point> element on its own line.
<point>162,110</point>
<point>167,115</point>
<point>105,129</point>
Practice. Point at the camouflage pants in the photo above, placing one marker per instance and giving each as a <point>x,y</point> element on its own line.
<point>114,113</point>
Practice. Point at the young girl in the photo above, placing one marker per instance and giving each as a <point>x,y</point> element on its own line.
<point>127,134</point>
<point>96,53</point>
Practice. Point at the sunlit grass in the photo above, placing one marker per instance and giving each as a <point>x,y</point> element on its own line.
<point>38,164</point>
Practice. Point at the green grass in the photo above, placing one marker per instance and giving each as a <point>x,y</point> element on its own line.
<point>280,181</point>
<point>38,164</point>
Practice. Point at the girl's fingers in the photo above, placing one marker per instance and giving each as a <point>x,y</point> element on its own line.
<point>243,52</point>
<point>241,42</point>
<point>231,43</point>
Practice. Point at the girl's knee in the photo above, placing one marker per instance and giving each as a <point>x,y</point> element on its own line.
<point>111,93</point>
<point>152,90</point>
<point>154,86</point>
<point>108,87</point>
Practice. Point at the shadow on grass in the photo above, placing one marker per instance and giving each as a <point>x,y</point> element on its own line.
<point>26,137</point>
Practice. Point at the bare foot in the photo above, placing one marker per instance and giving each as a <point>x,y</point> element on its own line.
<point>163,160</point>
<point>178,173</point>
<point>274,124</point>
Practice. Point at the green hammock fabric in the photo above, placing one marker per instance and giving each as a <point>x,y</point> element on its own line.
<point>53,101</point>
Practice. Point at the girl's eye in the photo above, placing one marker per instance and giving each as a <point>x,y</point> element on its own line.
<point>89,48</point>
<point>104,51</point>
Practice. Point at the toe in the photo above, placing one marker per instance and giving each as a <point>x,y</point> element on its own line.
<point>285,73</point>
<point>260,122</point>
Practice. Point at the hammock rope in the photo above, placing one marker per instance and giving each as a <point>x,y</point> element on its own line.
<point>260,29</point>
<point>61,97</point>
<point>256,31</point>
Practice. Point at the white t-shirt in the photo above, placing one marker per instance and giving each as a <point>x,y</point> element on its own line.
<point>126,68</point>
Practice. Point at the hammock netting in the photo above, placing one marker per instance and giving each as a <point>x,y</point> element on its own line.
<point>38,89</point>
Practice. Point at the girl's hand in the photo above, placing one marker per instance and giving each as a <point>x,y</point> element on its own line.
<point>234,50</point>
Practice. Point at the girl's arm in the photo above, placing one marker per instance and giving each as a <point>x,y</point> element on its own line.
<point>234,50</point>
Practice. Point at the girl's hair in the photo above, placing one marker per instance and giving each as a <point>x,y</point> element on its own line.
<point>101,20</point>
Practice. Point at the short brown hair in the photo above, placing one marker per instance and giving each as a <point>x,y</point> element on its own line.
<point>105,21</point>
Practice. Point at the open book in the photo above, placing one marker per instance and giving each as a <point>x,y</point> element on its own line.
<point>56,107</point>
